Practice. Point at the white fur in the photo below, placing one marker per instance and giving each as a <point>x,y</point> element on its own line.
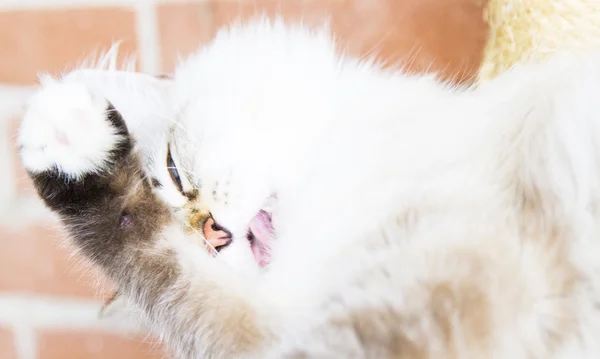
<point>387,184</point>
<point>55,130</point>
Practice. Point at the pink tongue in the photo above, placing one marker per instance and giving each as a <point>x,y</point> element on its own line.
<point>262,229</point>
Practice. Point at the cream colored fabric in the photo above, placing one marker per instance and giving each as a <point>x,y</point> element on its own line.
<point>524,30</point>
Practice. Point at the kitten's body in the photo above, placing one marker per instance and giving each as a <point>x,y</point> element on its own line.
<point>412,220</point>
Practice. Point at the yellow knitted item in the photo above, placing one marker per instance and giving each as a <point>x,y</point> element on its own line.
<point>524,30</point>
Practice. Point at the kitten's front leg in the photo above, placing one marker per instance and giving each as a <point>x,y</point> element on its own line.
<point>83,162</point>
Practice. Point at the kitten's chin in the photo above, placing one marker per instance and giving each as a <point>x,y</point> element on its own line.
<point>260,234</point>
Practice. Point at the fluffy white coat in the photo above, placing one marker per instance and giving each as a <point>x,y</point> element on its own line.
<point>413,219</point>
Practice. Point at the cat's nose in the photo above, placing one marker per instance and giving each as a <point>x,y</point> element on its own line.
<point>216,235</point>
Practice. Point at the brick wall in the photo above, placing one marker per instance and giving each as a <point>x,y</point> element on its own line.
<point>48,300</point>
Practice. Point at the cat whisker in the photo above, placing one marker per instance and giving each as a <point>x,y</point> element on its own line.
<point>170,119</point>
<point>213,250</point>
<point>178,124</point>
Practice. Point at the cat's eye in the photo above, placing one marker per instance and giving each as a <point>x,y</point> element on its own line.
<point>173,172</point>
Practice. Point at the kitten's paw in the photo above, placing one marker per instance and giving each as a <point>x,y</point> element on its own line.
<point>66,127</point>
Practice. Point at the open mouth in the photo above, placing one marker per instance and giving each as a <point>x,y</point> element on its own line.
<point>259,234</point>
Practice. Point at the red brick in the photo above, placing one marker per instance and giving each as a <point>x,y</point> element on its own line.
<point>37,260</point>
<point>425,35</point>
<point>94,345</point>
<point>51,40</point>
<point>182,27</point>
<point>7,344</point>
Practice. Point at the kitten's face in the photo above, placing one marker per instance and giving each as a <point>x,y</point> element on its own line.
<point>215,197</point>
<point>241,133</point>
<point>216,169</point>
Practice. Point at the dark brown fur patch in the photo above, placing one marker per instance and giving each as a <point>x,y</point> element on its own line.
<point>113,216</point>
<point>117,221</point>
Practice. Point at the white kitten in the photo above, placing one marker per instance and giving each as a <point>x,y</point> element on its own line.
<point>366,213</point>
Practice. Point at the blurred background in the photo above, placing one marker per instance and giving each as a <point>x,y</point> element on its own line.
<point>48,300</point>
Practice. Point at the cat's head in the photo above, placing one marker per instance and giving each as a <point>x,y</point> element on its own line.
<point>230,131</point>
